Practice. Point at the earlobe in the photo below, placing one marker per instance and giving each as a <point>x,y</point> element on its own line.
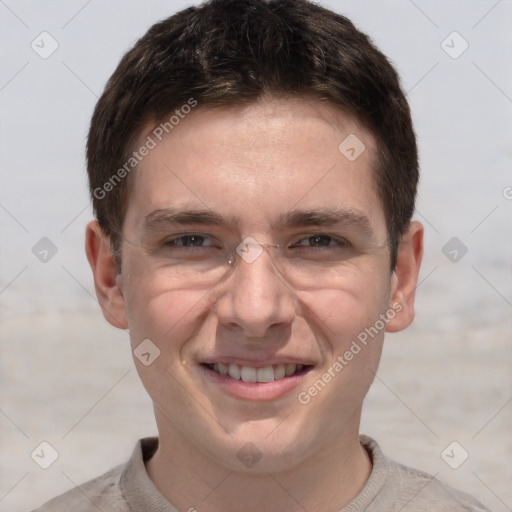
<point>106,278</point>
<point>405,277</point>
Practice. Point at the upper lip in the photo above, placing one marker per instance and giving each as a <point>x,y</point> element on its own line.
<point>256,363</point>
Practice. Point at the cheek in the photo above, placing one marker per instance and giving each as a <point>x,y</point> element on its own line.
<point>350,334</point>
<point>351,307</point>
<point>167,317</point>
<point>351,353</point>
<point>350,330</point>
<point>169,320</point>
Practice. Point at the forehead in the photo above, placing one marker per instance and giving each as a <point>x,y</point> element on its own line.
<point>255,163</point>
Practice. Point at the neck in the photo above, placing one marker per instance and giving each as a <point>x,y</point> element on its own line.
<point>327,481</point>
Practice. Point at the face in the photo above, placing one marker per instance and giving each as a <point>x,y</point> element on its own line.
<point>255,261</point>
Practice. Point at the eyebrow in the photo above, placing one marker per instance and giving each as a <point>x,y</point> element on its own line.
<point>163,217</point>
<point>329,217</point>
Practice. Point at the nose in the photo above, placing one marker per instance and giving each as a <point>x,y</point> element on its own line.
<point>256,297</point>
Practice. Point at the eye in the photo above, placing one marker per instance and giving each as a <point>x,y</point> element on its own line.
<point>189,241</point>
<point>321,241</point>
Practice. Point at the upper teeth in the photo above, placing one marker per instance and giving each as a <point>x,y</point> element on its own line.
<point>250,374</point>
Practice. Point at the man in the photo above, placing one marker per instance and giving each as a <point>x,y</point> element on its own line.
<point>253,171</point>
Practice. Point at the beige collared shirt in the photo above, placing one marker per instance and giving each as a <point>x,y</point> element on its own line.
<point>391,487</point>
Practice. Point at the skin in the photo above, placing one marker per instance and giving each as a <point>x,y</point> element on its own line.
<point>251,165</point>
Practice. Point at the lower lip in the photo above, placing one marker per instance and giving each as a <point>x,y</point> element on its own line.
<point>254,390</point>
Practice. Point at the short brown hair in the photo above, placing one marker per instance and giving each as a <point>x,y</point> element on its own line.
<point>229,52</point>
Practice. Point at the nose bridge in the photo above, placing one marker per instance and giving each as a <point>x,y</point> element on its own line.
<point>257,296</point>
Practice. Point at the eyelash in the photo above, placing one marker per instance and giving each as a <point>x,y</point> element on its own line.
<point>172,242</point>
<point>339,242</point>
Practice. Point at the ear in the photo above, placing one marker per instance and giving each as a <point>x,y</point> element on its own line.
<point>405,278</point>
<point>106,279</point>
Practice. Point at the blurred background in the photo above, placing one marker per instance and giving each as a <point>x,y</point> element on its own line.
<point>67,377</point>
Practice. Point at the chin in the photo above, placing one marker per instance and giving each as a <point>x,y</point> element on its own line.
<point>262,446</point>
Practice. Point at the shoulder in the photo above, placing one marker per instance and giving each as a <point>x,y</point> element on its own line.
<point>422,491</point>
<point>395,487</point>
<point>102,493</point>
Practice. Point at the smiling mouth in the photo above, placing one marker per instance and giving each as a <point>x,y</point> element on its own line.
<point>262,375</point>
